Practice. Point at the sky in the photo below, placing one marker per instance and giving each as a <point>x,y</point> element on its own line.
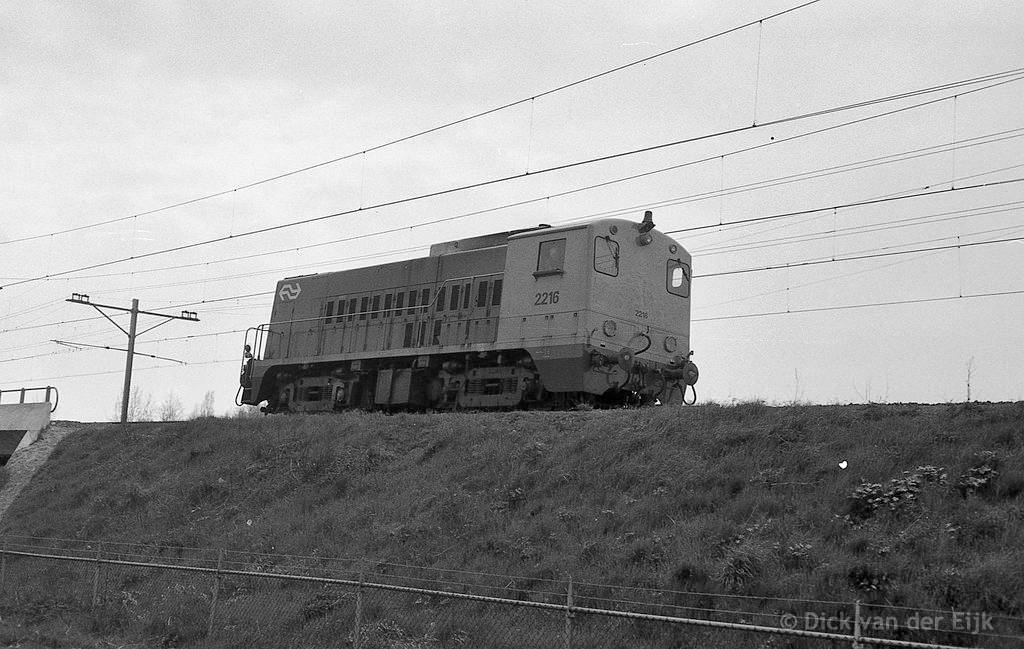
<point>112,110</point>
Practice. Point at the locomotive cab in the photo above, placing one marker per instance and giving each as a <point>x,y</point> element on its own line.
<point>603,308</point>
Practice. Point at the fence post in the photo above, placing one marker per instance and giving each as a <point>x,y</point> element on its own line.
<point>96,577</point>
<point>216,592</point>
<point>357,632</point>
<point>857,644</point>
<point>568,616</point>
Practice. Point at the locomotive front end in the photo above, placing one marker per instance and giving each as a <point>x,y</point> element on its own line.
<point>603,310</point>
<point>640,306</point>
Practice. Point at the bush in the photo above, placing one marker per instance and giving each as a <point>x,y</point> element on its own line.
<point>870,496</point>
<point>979,478</point>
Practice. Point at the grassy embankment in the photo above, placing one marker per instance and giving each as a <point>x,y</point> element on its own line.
<point>746,499</point>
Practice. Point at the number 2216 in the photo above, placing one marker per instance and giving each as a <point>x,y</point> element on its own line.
<point>546,297</point>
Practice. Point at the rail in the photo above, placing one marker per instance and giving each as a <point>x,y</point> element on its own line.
<point>21,392</point>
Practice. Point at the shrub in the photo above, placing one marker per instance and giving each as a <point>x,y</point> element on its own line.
<point>870,496</point>
<point>979,478</point>
<point>867,579</point>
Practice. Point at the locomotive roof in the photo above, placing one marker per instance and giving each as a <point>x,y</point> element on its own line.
<point>483,241</point>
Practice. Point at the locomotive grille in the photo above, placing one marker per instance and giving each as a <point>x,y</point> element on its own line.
<point>491,385</point>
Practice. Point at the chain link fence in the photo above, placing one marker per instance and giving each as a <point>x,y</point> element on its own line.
<point>84,594</point>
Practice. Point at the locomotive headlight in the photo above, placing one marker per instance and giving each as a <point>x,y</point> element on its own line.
<point>671,344</point>
<point>644,239</point>
<point>609,328</point>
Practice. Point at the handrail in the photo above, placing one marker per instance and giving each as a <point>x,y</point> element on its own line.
<point>23,391</point>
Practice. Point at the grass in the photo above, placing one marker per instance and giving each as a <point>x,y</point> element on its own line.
<point>739,500</point>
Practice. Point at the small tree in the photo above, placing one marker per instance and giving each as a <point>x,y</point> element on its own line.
<point>140,406</point>
<point>204,409</point>
<point>170,409</point>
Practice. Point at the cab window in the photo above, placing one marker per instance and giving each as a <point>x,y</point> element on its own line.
<point>551,257</point>
<point>677,278</point>
<point>606,256</point>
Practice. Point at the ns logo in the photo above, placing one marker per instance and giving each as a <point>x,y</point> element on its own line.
<point>289,292</point>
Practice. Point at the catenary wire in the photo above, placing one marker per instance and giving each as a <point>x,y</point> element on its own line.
<point>556,195</point>
<point>840,206</point>
<point>943,148</point>
<point>483,183</point>
<point>832,260</point>
<point>423,132</point>
<point>927,219</point>
<point>739,221</point>
<point>842,307</point>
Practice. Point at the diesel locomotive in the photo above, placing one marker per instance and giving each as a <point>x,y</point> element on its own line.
<point>596,313</point>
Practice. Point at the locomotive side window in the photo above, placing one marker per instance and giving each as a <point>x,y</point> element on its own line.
<point>341,311</point>
<point>496,294</point>
<point>481,294</point>
<point>375,309</point>
<point>351,309</point>
<point>551,258</point>
<point>387,305</point>
<point>466,290</point>
<point>606,256</point>
<point>677,279</point>
<point>455,298</point>
<point>425,300</point>
<point>399,302</point>
<point>440,299</point>
<point>329,312</point>
<point>412,303</point>
<point>364,306</point>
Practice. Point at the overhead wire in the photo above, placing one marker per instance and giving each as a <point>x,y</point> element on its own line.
<point>821,173</point>
<point>488,182</point>
<point>840,206</point>
<point>748,270</point>
<point>777,216</point>
<point>928,219</point>
<point>427,131</point>
<point>844,307</point>
<point>859,257</point>
<point>943,148</point>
